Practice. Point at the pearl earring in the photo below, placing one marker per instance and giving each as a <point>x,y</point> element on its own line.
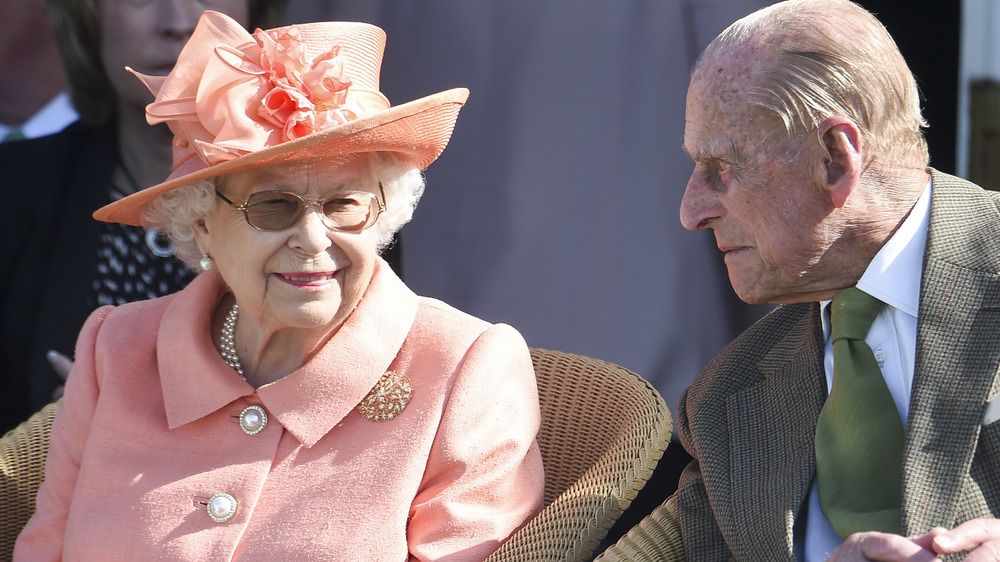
<point>205,263</point>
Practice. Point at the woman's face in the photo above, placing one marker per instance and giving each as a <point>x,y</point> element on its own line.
<point>148,35</point>
<point>306,276</point>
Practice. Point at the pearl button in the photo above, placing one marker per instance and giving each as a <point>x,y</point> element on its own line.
<point>222,507</point>
<point>253,420</point>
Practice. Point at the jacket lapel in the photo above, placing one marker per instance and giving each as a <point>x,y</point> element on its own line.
<point>957,354</point>
<point>770,477</point>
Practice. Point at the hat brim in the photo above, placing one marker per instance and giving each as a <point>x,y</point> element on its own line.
<point>416,132</point>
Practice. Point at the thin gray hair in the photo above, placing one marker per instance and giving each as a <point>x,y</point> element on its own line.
<point>827,58</point>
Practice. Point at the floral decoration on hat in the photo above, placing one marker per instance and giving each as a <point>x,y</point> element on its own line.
<point>306,95</point>
<point>253,91</point>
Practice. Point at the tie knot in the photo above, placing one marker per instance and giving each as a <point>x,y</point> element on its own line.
<point>852,313</point>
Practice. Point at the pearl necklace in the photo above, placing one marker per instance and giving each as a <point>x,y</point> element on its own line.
<point>228,344</point>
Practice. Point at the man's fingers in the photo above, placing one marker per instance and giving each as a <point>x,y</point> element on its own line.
<point>969,536</point>
<point>884,547</point>
<point>927,541</point>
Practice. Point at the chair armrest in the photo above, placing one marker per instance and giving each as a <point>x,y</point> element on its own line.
<point>22,463</point>
<point>656,538</point>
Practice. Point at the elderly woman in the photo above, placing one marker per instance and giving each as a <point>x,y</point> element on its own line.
<point>296,401</point>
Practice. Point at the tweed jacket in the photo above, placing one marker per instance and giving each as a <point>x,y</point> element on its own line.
<point>150,430</point>
<point>749,417</point>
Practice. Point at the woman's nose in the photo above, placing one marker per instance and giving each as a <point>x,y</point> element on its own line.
<point>311,234</point>
<point>178,18</point>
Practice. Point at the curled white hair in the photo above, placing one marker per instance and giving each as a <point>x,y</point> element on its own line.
<point>180,211</point>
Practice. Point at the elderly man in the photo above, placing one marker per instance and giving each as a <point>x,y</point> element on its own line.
<point>858,419</point>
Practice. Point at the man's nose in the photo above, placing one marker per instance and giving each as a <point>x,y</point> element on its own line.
<point>700,205</point>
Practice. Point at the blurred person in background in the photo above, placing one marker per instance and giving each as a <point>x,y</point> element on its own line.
<point>32,100</point>
<point>59,264</point>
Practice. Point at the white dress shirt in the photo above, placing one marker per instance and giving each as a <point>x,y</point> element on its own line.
<point>51,118</point>
<point>893,277</point>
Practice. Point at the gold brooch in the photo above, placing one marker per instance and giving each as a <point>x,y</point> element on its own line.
<point>387,398</point>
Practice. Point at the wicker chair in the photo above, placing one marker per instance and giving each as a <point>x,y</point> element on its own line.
<point>657,538</point>
<point>22,460</point>
<point>603,430</point>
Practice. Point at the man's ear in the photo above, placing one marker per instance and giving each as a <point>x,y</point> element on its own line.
<point>840,143</point>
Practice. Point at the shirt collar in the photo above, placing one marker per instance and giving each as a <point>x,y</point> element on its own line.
<point>308,402</point>
<point>893,276</point>
<point>51,118</point>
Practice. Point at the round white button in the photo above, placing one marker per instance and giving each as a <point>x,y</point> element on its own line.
<point>880,357</point>
<point>222,507</point>
<point>253,420</point>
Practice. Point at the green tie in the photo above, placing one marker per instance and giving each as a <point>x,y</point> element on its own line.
<point>859,437</point>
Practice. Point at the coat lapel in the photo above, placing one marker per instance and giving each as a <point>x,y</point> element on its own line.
<point>771,476</point>
<point>957,354</point>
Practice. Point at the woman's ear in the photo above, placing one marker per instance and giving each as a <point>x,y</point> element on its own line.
<point>840,172</point>
<point>202,237</point>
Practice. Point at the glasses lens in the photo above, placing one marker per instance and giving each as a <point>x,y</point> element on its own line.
<point>273,210</point>
<point>349,211</point>
<point>278,210</point>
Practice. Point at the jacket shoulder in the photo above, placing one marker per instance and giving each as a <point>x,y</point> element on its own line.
<point>437,316</point>
<point>773,344</point>
<point>453,332</point>
<point>133,324</point>
<point>781,331</point>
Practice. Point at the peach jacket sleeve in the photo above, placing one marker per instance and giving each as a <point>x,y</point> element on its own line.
<point>484,476</point>
<point>42,538</point>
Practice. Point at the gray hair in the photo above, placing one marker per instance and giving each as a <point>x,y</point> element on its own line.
<point>826,58</point>
<point>179,211</point>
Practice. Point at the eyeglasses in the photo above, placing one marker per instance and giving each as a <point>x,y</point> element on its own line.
<point>347,211</point>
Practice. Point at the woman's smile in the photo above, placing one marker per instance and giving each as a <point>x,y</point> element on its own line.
<point>318,279</point>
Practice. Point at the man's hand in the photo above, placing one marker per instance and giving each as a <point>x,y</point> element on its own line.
<point>981,537</point>
<point>885,547</point>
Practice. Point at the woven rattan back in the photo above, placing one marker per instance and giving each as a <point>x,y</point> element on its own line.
<point>603,430</point>
<point>22,463</point>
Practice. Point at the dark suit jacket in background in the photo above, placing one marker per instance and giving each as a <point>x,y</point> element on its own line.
<point>749,418</point>
<point>51,185</point>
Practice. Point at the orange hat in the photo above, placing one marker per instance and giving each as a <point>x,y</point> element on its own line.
<point>236,101</point>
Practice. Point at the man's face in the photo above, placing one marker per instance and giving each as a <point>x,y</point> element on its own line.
<point>767,211</point>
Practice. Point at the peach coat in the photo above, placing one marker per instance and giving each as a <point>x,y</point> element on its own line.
<point>149,431</point>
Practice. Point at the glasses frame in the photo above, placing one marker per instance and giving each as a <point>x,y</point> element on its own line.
<point>308,202</point>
